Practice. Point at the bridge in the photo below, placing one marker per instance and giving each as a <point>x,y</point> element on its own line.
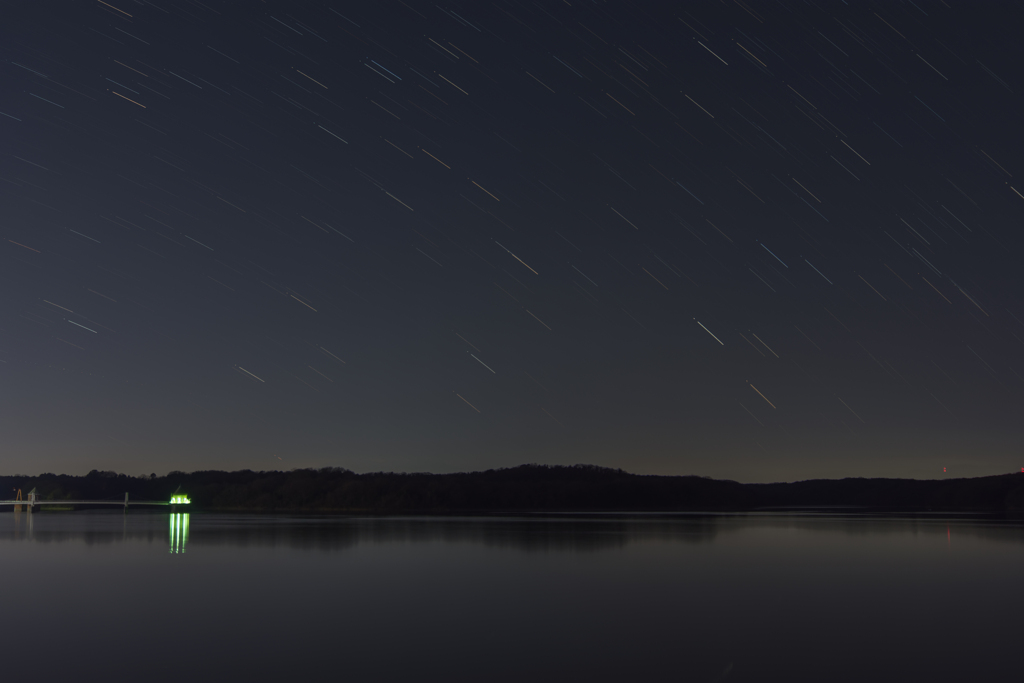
<point>34,501</point>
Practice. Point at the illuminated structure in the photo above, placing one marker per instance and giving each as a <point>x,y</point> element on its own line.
<point>178,498</point>
<point>34,502</point>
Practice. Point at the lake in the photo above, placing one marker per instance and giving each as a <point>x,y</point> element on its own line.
<point>149,596</point>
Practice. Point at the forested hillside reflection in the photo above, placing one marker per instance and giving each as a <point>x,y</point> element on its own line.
<point>339,533</point>
<point>577,534</point>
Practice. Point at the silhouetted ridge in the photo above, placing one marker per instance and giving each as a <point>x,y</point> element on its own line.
<point>523,488</point>
<point>1000,492</point>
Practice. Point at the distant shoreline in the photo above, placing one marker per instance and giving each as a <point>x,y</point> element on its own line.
<point>525,489</point>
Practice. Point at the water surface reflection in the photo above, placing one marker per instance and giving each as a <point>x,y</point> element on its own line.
<point>178,531</point>
<point>575,533</point>
<point>749,597</point>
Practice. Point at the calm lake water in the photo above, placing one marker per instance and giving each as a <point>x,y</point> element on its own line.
<point>756,597</point>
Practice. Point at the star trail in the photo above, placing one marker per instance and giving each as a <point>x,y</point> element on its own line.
<point>752,240</point>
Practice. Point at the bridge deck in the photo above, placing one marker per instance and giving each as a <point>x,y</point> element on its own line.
<point>85,502</point>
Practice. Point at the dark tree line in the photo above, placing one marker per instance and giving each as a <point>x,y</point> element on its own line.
<point>524,488</point>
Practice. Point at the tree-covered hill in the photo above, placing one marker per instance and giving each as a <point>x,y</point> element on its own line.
<point>523,488</point>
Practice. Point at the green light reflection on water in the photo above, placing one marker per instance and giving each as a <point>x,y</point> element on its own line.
<point>178,532</point>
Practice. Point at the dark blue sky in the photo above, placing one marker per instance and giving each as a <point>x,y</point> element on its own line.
<point>762,241</point>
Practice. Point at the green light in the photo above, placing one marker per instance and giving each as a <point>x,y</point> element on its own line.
<point>180,500</point>
<point>178,532</point>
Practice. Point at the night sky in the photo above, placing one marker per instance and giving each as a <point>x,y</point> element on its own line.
<point>753,240</point>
